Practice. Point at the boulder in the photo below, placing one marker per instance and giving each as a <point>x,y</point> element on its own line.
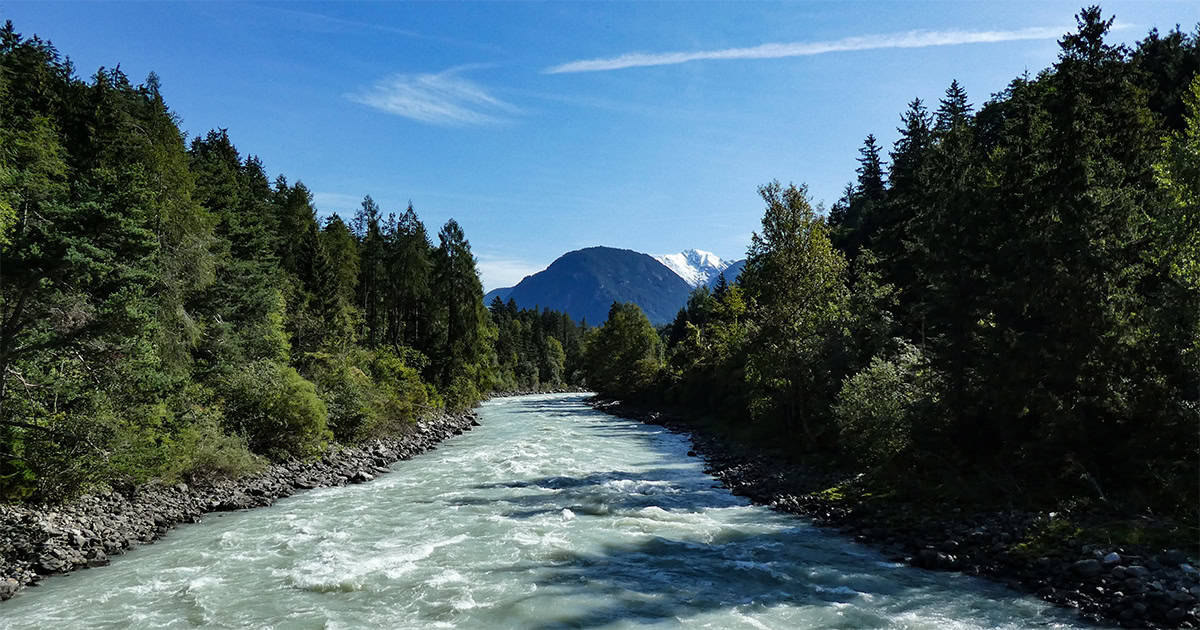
<point>1088,568</point>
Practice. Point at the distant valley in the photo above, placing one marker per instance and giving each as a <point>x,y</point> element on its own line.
<point>584,283</point>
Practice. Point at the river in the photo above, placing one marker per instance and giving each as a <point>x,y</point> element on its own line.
<point>550,515</point>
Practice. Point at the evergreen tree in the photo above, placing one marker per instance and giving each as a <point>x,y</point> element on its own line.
<point>464,352</point>
<point>410,274</point>
<point>953,110</point>
<point>857,217</point>
<point>372,271</point>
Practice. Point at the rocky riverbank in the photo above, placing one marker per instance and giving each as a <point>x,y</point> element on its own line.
<point>39,541</point>
<point>1131,586</point>
<point>565,389</point>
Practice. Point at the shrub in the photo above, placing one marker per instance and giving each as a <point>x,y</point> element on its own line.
<point>400,395</point>
<point>276,410</point>
<point>877,407</point>
<point>347,391</point>
<point>204,451</point>
<point>461,394</point>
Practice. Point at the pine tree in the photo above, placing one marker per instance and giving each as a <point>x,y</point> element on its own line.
<point>857,217</point>
<point>372,272</point>
<point>464,351</point>
<point>410,276</point>
<point>905,196</point>
<point>953,110</point>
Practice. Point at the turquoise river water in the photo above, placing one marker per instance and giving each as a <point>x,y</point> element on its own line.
<point>550,515</point>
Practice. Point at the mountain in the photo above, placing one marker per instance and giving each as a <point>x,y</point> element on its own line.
<point>696,267</point>
<point>584,283</point>
<point>502,293</point>
<point>731,272</point>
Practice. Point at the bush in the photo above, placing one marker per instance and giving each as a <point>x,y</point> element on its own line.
<point>370,393</point>
<point>204,451</point>
<point>461,394</point>
<point>347,391</point>
<point>400,395</point>
<point>276,410</point>
<point>877,407</point>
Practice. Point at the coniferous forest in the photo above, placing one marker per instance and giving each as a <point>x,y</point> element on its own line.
<point>169,311</point>
<point>1005,305</point>
<point>1009,297</point>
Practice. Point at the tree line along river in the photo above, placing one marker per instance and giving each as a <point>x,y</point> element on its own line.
<point>550,515</point>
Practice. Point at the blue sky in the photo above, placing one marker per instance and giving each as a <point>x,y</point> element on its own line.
<point>546,127</point>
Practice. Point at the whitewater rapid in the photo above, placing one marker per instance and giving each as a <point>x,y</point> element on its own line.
<point>550,515</point>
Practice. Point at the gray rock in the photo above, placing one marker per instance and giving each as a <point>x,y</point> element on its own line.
<point>1137,571</point>
<point>1111,559</point>
<point>1172,558</point>
<point>97,560</point>
<point>50,563</point>
<point>1182,597</point>
<point>1089,568</point>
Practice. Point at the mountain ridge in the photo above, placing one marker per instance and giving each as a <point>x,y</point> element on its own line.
<point>585,282</point>
<point>696,266</point>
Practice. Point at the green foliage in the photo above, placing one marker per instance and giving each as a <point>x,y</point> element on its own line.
<point>466,341</point>
<point>796,283</point>
<point>369,393</point>
<point>163,301</point>
<point>1177,228</point>
<point>622,357</point>
<point>1040,252</point>
<point>401,398</point>
<point>878,407</point>
<point>534,349</point>
<point>276,409</point>
<point>347,390</point>
<point>205,451</point>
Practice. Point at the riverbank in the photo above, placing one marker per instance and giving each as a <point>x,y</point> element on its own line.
<point>1133,586</point>
<point>40,541</point>
<point>565,389</point>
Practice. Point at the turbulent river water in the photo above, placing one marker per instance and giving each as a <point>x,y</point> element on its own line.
<point>550,515</point>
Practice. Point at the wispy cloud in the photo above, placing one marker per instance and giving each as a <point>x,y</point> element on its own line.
<point>910,39</point>
<point>497,271</point>
<point>439,99</point>
<point>322,23</point>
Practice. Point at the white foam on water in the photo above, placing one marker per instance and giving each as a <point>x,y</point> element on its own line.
<point>630,486</point>
<point>549,514</point>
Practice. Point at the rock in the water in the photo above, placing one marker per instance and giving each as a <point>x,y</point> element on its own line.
<point>8,588</point>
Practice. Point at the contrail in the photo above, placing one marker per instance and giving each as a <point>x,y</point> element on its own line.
<point>910,39</point>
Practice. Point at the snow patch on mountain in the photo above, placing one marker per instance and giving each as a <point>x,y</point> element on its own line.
<point>696,267</point>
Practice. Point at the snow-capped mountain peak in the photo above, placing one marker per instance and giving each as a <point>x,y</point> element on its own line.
<point>695,266</point>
